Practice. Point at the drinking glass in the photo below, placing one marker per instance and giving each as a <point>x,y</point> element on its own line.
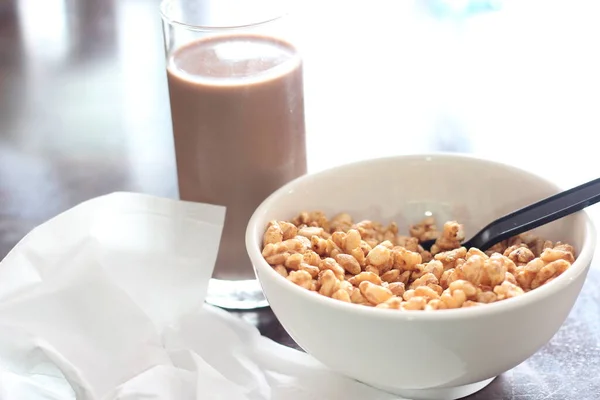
<point>236,94</point>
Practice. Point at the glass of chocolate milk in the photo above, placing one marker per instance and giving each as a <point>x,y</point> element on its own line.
<point>237,108</point>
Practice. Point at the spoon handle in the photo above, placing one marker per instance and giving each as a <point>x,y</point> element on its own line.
<point>538,214</point>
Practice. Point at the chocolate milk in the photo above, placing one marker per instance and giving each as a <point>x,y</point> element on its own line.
<point>237,107</point>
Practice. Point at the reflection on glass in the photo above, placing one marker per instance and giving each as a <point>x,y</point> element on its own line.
<point>44,30</point>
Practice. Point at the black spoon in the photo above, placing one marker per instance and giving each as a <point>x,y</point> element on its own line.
<point>533,216</point>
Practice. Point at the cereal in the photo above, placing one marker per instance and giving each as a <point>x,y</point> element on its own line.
<point>507,290</point>
<point>424,230</point>
<point>281,270</point>
<point>310,231</point>
<point>520,255</point>
<point>496,268</point>
<point>331,264</point>
<point>372,269</point>
<point>549,255</point>
<point>474,251</point>
<point>394,303</point>
<point>301,278</point>
<point>426,292</point>
<point>414,303</point>
<point>380,257</point>
<point>370,264</point>
<point>319,245</point>
<point>397,288</point>
<point>328,283</point>
<point>409,294</point>
<point>311,258</point>
<point>405,277</point>
<point>365,276</point>
<point>407,242</point>
<point>425,280</point>
<point>342,295</point>
<point>273,234</point>
<point>434,267</point>
<point>435,304</point>
<point>315,218</point>
<point>457,293</point>
<point>470,303</point>
<point>294,260</point>
<point>341,222</point>
<point>451,237</point>
<point>549,271</point>
<point>391,276</point>
<point>356,297</point>
<point>450,258</point>
<point>404,259</point>
<point>311,269</point>
<point>497,248</point>
<point>485,296</point>
<point>349,263</point>
<point>374,294</point>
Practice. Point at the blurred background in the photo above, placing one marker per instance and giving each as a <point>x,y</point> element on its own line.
<point>84,108</point>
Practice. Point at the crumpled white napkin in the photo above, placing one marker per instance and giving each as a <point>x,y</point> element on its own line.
<point>105,302</point>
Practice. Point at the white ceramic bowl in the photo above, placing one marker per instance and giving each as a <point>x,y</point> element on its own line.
<point>422,355</point>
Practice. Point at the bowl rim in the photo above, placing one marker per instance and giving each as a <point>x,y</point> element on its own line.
<point>580,265</point>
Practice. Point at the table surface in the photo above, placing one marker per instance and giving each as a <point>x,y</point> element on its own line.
<point>84,112</point>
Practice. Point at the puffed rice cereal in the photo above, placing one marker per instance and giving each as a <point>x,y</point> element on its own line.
<point>370,264</point>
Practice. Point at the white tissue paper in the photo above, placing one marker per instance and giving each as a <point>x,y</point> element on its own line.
<point>105,302</point>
